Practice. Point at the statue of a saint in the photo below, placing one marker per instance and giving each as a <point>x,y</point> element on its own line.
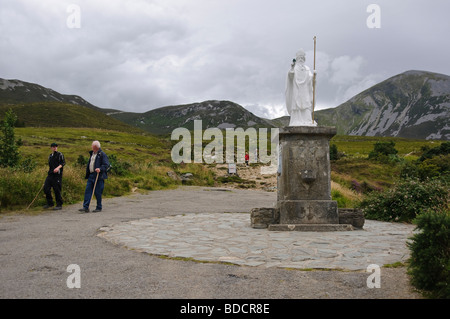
<point>299,92</point>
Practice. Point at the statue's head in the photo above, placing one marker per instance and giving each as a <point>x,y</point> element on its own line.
<point>301,56</point>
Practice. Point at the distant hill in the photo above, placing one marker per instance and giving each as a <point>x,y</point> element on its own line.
<point>57,114</point>
<point>19,92</point>
<point>37,106</point>
<point>414,104</point>
<point>221,114</point>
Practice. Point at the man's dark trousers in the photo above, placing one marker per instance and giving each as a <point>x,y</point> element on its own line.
<point>53,181</point>
<point>98,191</point>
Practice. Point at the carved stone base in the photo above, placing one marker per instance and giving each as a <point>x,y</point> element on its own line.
<point>308,212</point>
<point>269,217</point>
<point>310,227</point>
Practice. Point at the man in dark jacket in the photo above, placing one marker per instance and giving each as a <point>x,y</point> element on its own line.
<point>96,170</point>
<point>56,164</point>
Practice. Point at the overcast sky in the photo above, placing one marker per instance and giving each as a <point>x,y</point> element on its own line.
<point>138,55</point>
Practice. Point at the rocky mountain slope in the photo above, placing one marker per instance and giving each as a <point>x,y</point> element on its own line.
<point>414,104</point>
<point>221,114</point>
<point>37,106</point>
<point>20,92</point>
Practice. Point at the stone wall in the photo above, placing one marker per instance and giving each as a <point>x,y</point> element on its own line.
<point>261,218</point>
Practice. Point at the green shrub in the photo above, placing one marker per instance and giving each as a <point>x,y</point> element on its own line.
<point>384,152</point>
<point>333,152</point>
<point>82,161</point>
<point>118,167</point>
<point>431,167</point>
<point>27,165</point>
<point>429,264</point>
<point>9,146</point>
<point>405,200</point>
<point>443,149</point>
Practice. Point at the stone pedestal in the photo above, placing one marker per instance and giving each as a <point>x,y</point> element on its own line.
<point>304,182</point>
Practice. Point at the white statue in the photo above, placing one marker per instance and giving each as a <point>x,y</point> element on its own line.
<point>299,92</point>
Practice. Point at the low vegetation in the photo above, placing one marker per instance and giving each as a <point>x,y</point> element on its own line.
<point>56,114</point>
<point>139,163</point>
<point>429,264</point>
<point>406,200</point>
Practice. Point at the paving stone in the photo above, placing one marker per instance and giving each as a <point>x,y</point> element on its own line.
<point>303,258</point>
<point>230,238</point>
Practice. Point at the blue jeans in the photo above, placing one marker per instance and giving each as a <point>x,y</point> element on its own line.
<point>98,191</point>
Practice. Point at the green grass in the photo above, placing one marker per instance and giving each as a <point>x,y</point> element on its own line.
<point>148,155</point>
<point>73,142</point>
<point>355,166</point>
<point>361,146</point>
<point>150,161</point>
<point>55,114</point>
<point>397,264</point>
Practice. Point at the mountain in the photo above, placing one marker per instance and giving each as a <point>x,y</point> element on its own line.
<point>57,114</point>
<point>221,114</point>
<point>414,104</point>
<point>16,91</point>
<point>37,106</point>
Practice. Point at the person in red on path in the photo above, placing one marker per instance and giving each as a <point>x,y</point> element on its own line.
<point>246,158</point>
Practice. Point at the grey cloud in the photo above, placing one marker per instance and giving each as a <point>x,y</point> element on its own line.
<point>138,55</point>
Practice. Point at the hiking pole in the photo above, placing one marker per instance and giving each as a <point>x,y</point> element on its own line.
<point>93,190</point>
<point>314,82</point>
<point>36,196</point>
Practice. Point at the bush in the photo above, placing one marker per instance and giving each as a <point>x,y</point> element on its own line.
<point>429,264</point>
<point>118,167</point>
<point>27,165</point>
<point>405,200</point>
<point>9,146</point>
<point>384,152</point>
<point>436,166</point>
<point>334,155</point>
<point>443,149</point>
<point>82,161</point>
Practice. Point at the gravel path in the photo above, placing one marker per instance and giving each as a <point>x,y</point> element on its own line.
<point>35,252</point>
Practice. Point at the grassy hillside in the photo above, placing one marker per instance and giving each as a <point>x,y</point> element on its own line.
<point>361,146</point>
<point>77,141</point>
<point>20,92</point>
<point>354,171</point>
<point>144,160</point>
<point>147,161</point>
<point>55,114</point>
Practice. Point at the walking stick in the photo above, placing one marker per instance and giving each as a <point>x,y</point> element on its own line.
<point>314,82</point>
<point>36,196</point>
<point>93,190</point>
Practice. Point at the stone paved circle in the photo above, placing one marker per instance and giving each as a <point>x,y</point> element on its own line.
<point>228,237</point>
